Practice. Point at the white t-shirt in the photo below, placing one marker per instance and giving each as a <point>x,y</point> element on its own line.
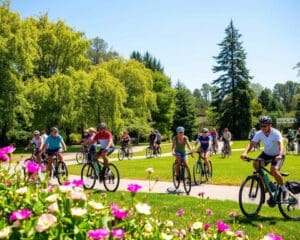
<point>37,142</point>
<point>270,142</point>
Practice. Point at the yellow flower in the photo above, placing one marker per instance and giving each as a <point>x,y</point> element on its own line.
<point>4,233</point>
<point>197,225</point>
<point>148,228</point>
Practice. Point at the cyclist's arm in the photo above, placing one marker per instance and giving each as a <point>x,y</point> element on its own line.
<point>248,149</point>
<point>281,150</point>
<point>189,145</point>
<point>173,147</point>
<point>64,145</point>
<point>42,145</point>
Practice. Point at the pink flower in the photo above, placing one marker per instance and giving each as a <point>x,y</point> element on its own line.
<point>133,187</point>
<point>239,234</point>
<point>119,213</point>
<point>7,149</point>
<point>118,232</point>
<point>114,206</point>
<point>272,236</point>
<point>77,183</point>
<point>209,212</point>
<point>32,167</point>
<point>222,227</point>
<point>201,194</point>
<point>180,212</point>
<point>67,183</point>
<point>4,157</point>
<point>20,215</point>
<point>233,214</point>
<point>45,221</point>
<point>98,233</point>
<point>206,226</point>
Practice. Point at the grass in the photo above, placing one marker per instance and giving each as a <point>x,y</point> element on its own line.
<point>165,206</point>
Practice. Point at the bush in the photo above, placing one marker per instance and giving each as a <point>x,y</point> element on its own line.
<point>74,138</point>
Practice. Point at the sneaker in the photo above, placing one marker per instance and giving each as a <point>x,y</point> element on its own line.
<point>285,195</point>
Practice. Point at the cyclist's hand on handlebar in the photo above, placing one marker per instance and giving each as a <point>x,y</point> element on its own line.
<point>243,156</point>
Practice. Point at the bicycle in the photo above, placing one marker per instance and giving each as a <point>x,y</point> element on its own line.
<point>33,158</point>
<point>92,170</point>
<point>226,149</point>
<point>125,151</point>
<point>290,147</point>
<point>201,170</point>
<point>213,148</point>
<point>153,152</point>
<point>184,176</point>
<point>58,169</point>
<point>252,195</point>
<point>81,156</point>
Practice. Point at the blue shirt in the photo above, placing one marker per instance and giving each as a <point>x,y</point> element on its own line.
<point>204,142</point>
<point>54,142</point>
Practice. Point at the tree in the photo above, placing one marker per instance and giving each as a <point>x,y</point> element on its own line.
<point>149,61</point>
<point>185,110</point>
<point>232,95</point>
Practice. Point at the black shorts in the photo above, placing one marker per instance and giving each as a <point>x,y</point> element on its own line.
<point>50,152</point>
<point>109,151</point>
<point>271,159</point>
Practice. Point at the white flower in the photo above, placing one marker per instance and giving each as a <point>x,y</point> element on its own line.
<point>78,212</point>
<point>52,198</point>
<point>45,221</point>
<point>166,236</point>
<point>143,208</point>
<point>95,205</point>
<point>230,233</point>
<point>53,207</point>
<point>65,188</point>
<point>75,195</point>
<point>4,233</point>
<point>22,191</point>
<point>150,170</point>
<point>169,224</point>
<point>197,225</point>
<point>148,228</point>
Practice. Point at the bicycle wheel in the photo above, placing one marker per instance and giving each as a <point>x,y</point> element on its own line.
<point>130,153</point>
<point>207,173</point>
<point>197,171</point>
<point>158,152</point>
<point>121,154</point>
<point>79,157</point>
<point>149,152</point>
<point>290,209</point>
<point>111,178</point>
<point>251,196</point>
<point>88,176</point>
<point>187,181</point>
<point>61,172</point>
<point>176,179</point>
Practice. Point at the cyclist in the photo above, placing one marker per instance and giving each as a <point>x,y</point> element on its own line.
<point>204,141</point>
<point>125,141</point>
<point>290,137</point>
<point>152,140</point>
<point>38,143</point>
<point>91,132</point>
<point>158,139</point>
<point>226,137</point>
<point>214,138</point>
<point>54,144</point>
<point>180,141</point>
<point>273,150</point>
<point>104,137</point>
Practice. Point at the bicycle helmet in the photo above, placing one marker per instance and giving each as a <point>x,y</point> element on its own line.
<point>265,120</point>
<point>36,132</point>
<point>204,130</point>
<point>179,129</point>
<point>102,126</point>
<point>53,129</point>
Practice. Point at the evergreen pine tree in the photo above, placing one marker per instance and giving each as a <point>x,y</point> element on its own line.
<point>232,94</point>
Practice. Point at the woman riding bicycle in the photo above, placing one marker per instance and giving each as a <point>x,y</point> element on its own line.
<point>204,141</point>
<point>180,141</point>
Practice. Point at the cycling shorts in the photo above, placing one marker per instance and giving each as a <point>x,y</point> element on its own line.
<point>50,152</point>
<point>183,156</point>
<point>271,159</point>
<point>109,150</point>
<point>202,150</point>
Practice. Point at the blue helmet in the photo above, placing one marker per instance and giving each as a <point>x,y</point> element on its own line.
<point>179,129</point>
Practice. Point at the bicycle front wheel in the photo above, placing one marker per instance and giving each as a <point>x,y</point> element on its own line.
<point>111,178</point>
<point>149,152</point>
<point>251,196</point>
<point>79,157</point>
<point>187,181</point>
<point>176,178</point>
<point>207,171</point>
<point>121,154</point>
<point>197,171</point>
<point>88,176</point>
<point>290,208</point>
<point>61,172</point>
<point>130,153</point>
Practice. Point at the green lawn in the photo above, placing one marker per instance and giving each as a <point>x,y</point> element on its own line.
<point>165,206</point>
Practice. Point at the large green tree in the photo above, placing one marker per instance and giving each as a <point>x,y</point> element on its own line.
<point>149,61</point>
<point>232,95</point>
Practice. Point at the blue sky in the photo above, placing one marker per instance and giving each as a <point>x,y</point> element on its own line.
<point>184,35</point>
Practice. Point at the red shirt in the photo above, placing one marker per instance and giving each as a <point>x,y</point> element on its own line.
<point>103,137</point>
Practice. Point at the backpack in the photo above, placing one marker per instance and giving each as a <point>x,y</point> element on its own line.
<point>293,186</point>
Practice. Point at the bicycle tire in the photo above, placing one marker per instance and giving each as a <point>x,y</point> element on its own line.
<point>61,172</point>
<point>130,153</point>
<point>187,181</point>
<point>88,176</point>
<point>79,157</point>
<point>158,152</point>
<point>290,209</point>
<point>111,179</point>
<point>176,180</point>
<point>251,196</point>
<point>197,171</point>
<point>121,154</point>
<point>149,152</point>
<point>207,173</point>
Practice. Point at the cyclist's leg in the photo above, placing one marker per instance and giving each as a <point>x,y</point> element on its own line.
<point>260,161</point>
<point>205,157</point>
<point>275,170</point>
<point>60,156</point>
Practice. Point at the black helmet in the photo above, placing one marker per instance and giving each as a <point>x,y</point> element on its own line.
<point>102,126</point>
<point>53,129</point>
<point>265,120</point>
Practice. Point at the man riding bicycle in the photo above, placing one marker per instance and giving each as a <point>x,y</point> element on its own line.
<point>273,150</point>
<point>104,137</point>
<point>54,145</point>
<point>214,138</point>
<point>152,140</point>
<point>226,137</point>
<point>38,143</point>
<point>180,141</point>
<point>203,149</point>
<point>125,141</point>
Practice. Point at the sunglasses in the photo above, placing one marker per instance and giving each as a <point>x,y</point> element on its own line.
<point>264,126</point>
